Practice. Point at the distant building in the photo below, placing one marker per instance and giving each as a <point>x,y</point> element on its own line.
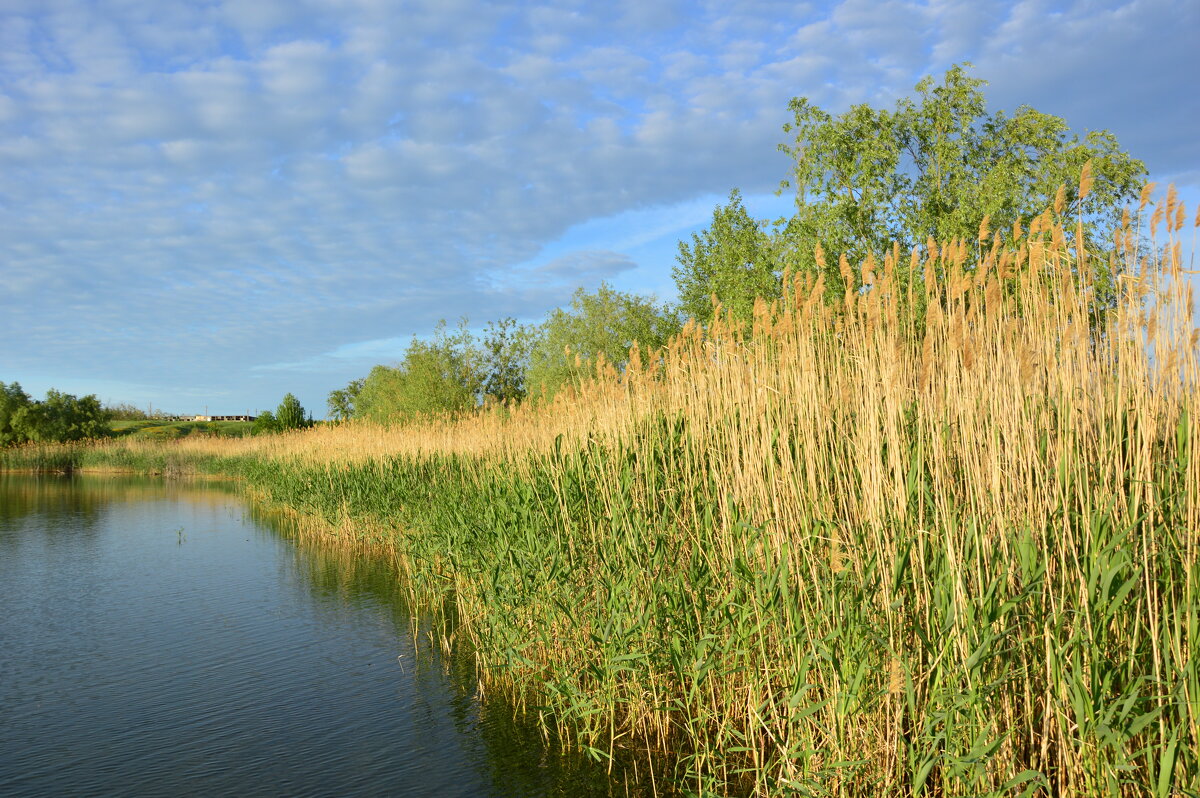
<point>224,418</point>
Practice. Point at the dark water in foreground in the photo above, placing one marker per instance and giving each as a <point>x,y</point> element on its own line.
<point>156,639</point>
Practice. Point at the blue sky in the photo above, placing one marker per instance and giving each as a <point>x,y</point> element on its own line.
<point>209,204</point>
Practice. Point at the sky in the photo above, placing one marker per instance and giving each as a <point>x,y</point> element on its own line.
<point>205,205</point>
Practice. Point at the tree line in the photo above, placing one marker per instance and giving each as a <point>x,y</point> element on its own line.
<point>936,167</point>
<point>63,417</point>
<point>60,417</point>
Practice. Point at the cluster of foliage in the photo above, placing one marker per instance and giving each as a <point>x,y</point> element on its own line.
<point>58,418</point>
<point>452,372</point>
<point>442,374</point>
<point>289,415</point>
<point>938,166</point>
<point>124,411</point>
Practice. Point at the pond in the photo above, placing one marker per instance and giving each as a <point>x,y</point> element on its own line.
<point>163,638</point>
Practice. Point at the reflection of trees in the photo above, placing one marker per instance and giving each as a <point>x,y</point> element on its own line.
<point>49,495</point>
<point>74,505</point>
<point>513,753</point>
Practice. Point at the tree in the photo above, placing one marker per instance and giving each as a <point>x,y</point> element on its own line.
<point>59,418</point>
<point>265,423</point>
<point>12,399</point>
<point>380,396</point>
<point>937,166</point>
<point>505,360</point>
<point>439,375</point>
<point>732,259</point>
<point>290,414</point>
<point>124,411</point>
<point>608,322</point>
<point>342,400</point>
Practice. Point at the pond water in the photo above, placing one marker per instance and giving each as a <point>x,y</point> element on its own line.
<point>161,638</point>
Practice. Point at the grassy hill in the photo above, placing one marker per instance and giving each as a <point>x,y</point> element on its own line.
<point>153,429</point>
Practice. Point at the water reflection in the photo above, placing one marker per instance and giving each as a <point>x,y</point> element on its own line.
<point>162,638</point>
<point>82,499</point>
<point>510,750</point>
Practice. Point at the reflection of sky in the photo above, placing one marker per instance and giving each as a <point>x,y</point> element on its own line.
<point>215,204</point>
<point>158,635</point>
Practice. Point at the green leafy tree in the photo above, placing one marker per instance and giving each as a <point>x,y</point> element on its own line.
<point>439,375</point>
<point>733,259</point>
<point>265,423</point>
<point>380,396</point>
<point>342,400</point>
<point>442,375</point>
<point>937,166</point>
<point>290,414</point>
<point>123,411</point>
<point>608,322</point>
<point>505,360</point>
<point>61,417</point>
<point>12,399</point>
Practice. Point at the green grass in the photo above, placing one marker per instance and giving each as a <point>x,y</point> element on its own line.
<point>172,430</point>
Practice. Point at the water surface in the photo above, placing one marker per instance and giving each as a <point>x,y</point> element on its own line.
<point>158,638</point>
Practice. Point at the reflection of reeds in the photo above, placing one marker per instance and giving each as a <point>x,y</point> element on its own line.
<point>85,496</point>
<point>938,535</point>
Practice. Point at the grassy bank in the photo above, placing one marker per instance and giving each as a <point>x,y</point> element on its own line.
<point>154,429</point>
<point>939,537</point>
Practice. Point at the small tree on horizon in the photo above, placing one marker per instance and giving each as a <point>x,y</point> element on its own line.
<point>290,414</point>
<point>505,360</point>
<point>733,259</point>
<point>341,401</point>
<point>606,322</point>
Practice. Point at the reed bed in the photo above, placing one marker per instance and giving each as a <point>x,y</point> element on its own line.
<point>936,537</point>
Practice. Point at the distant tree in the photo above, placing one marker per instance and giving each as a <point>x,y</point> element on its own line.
<point>440,375</point>
<point>342,400</point>
<point>59,418</point>
<point>123,411</point>
<point>936,166</point>
<point>265,423</point>
<point>733,259</point>
<point>12,399</point>
<point>566,345</point>
<point>381,394</point>
<point>505,360</point>
<point>290,414</point>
